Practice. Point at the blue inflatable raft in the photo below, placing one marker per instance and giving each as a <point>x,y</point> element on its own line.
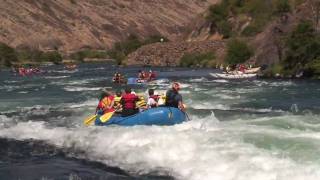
<point>153,116</point>
<point>136,81</point>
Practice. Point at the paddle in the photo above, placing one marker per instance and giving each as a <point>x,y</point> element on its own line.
<point>90,120</point>
<point>187,116</point>
<point>104,118</point>
<point>185,112</point>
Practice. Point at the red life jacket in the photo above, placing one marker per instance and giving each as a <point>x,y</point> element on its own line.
<point>129,101</point>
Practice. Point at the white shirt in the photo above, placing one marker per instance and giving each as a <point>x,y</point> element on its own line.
<point>151,102</point>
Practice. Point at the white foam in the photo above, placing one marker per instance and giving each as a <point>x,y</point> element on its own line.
<point>197,150</point>
<point>221,81</point>
<point>56,77</point>
<point>92,102</point>
<point>274,83</point>
<point>75,89</point>
<point>202,79</point>
<point>209,105</point>
<point>23,92</point>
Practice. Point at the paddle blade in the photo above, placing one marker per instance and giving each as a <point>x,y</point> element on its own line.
<point>104,118</point>
<point>90,120</point>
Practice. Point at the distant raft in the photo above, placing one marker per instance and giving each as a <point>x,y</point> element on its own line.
<point>233,76</point>
<point>136,81</point>
<point>154,116</point>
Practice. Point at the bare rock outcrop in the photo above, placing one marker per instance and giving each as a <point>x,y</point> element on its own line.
<point>170,53</point>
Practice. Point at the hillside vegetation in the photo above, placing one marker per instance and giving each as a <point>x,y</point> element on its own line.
<point>288,27</point>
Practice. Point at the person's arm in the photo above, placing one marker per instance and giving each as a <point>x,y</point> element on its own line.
<point>180,104</point>
<point>111,104</point>
<point>122,102</point>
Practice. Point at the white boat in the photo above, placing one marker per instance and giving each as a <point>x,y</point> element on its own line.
<point>233,76</point>
<point>252,70</point>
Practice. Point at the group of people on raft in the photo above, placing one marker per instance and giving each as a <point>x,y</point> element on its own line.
<point>128,103</point>
<point>143,76</point>
<point>22,71</point>
<point>118,78</point>
<point>148,76</point>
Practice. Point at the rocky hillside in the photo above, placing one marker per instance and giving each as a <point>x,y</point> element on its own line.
<point>68,25</point>
<point>169,54</point>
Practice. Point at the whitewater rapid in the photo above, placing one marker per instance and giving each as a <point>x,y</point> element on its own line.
<point>238,130</point>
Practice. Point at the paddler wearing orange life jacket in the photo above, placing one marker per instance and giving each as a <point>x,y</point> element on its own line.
<point>105,103</point>
<point>128,102</point>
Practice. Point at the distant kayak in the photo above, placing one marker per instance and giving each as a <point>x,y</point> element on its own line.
<point>153,116</point>
<point>233,76</point>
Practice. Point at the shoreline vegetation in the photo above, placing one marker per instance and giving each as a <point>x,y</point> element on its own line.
<point>10,56</point>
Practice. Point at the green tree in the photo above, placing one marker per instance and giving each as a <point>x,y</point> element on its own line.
<point>53,56</point>
<point>238,52</point>
<point>303,46</point>
<point>197,59</point>
<point>7,55</point>
<point>282,6</point>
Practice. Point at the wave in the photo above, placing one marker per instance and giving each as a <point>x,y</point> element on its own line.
<point>76,89</point>
<point>56,77</point>
<point>195,150</point>
<point>274,84</point>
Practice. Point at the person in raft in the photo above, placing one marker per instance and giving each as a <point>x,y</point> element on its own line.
<point>117,105</point>
<point>153,99</point>
<point>173,98</point>
<point>106,103</point>
<point>128,102</point>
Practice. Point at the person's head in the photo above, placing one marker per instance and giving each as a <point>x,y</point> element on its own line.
<point>118,93</point>
<point>151,92</point>
<point>104,94</point>
<point>127,90</point>
<point>176,86</point>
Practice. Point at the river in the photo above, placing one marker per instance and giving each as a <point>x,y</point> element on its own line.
<point>239,130</point>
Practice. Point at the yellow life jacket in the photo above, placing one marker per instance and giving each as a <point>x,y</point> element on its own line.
<point>141,103</point>
<point>162,100</point>
<point>117,100</point>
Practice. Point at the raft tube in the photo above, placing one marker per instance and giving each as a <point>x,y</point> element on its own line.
<point>136,81</point>
<point>153,116</point>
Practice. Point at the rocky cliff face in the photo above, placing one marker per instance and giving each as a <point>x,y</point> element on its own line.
<point>69,25</point>
<point>169,54</point>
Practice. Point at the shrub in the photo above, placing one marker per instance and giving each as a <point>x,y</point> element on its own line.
<point>314,67</point>
<point>261,12</point>
<point>250,30</point>
<point>121,50</point>
<point>7,55</point>
<point>273,70</point>
<point>39,56</point>
<point>303,45</point>
<point>81,55</point>
<point>238,52</point>
<point>282,6</point>
<point>52,56</point>
<point>198,60</point>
